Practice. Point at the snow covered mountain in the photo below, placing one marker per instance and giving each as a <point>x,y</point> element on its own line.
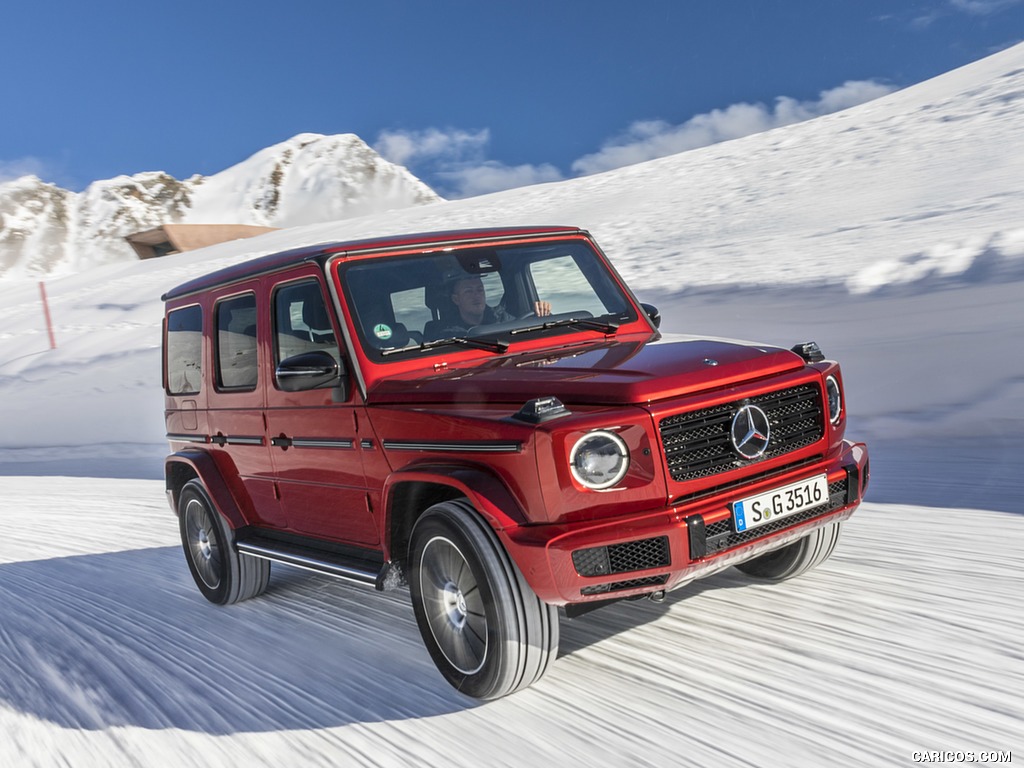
<point>46,230</point>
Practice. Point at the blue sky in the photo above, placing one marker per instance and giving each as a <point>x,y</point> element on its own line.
<point>472,96</point>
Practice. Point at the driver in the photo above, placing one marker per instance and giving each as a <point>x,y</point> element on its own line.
<point>470,299</point>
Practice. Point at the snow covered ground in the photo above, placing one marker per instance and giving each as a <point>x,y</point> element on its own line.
<point>109,656</point>
<point>892,234</point>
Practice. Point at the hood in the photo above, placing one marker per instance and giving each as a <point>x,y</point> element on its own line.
<point>605,373</point>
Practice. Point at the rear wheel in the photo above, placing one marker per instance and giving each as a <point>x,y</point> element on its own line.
<point>486,630</point>
<point>221,573</point>
<point>796,558</point>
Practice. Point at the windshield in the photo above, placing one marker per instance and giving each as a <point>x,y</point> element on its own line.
<point>481,297</point>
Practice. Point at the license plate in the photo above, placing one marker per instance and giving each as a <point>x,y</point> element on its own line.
<point>754,511</point>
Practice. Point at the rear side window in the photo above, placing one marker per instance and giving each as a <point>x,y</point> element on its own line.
<point>236,343</point>
<point>184,350</point>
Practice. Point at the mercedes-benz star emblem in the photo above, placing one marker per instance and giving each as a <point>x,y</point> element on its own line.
<point>750,432</point>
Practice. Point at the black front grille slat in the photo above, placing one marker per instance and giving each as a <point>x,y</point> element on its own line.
<point>717,529</point>
<point>697,444</point>
<point>734,484</point>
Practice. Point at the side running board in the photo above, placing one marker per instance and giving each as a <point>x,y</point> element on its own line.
<point>382,576</point>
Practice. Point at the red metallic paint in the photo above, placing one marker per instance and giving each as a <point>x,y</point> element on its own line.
<point>626,383</point>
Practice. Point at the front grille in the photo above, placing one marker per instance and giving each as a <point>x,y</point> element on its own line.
<point>618,586</point>
<point>636,555</point>
<point>721,536</point>
<point>697,443</point>
<point>741,482</point>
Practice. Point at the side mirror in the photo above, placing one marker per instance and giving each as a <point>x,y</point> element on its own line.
<point>309,370</point>
<point>653,313</point>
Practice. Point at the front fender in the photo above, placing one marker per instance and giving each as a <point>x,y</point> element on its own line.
<point>408,492</point>
<point>487,492</point>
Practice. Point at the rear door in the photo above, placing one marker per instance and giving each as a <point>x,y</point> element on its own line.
<point>236,399</point>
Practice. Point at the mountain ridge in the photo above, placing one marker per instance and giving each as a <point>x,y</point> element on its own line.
<point>310,178</point>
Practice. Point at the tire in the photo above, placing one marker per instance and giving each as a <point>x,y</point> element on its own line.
<point>221,573</point>
<point>486,630</point>
<point>796,558</point>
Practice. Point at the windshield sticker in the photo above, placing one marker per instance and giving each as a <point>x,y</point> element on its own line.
<point>382,332</point>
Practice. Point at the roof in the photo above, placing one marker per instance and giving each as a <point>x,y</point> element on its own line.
<point>320,253</point>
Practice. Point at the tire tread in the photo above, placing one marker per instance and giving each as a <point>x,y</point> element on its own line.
<point>244,577</point>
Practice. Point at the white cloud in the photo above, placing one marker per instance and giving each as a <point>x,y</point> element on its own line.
<point>982,7</point>
<point>850,94</point>
<point>455,161</point>
<point>647,140</point>
<point>25,166</point>
<point>492,176</point>
<point>458,159</point>
<point>431,144</point>
<point>972,7</point>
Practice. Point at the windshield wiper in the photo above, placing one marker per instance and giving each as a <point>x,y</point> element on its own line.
<point>582,322</point>
<point>491,345</point>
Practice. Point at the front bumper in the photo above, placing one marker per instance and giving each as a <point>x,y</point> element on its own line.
<point>667,548</point>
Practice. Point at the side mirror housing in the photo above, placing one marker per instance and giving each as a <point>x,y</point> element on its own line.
<point>310,370</point>
<point>653,313</point>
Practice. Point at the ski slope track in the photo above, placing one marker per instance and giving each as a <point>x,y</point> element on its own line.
<point>903,641</point>
<point>891,233</point>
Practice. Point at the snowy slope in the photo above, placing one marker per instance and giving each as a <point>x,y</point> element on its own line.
<point>898,643</point>
<point>891,233</point>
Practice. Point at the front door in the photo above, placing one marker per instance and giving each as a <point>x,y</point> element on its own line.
<point>315,445</point>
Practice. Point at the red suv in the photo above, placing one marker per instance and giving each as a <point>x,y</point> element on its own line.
<point>492,418</point>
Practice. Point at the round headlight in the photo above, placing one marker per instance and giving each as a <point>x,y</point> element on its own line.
<point>599,459</point>
<point>835,399</point>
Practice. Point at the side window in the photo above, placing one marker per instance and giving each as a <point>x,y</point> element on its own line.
<point>184,351</point>
<point>301,321</point>
<point>236,343</point>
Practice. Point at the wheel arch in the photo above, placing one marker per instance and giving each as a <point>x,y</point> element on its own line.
<point>181,467</point>
<point>409,493</point>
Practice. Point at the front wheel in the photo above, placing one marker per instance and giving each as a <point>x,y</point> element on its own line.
<point>222,574</point>
<point>796,558</point>
<point>485,628</point>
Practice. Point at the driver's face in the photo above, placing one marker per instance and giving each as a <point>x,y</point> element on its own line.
<point>469,297</point>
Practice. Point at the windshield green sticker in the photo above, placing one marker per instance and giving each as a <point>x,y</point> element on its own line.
<point>382,332</point>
